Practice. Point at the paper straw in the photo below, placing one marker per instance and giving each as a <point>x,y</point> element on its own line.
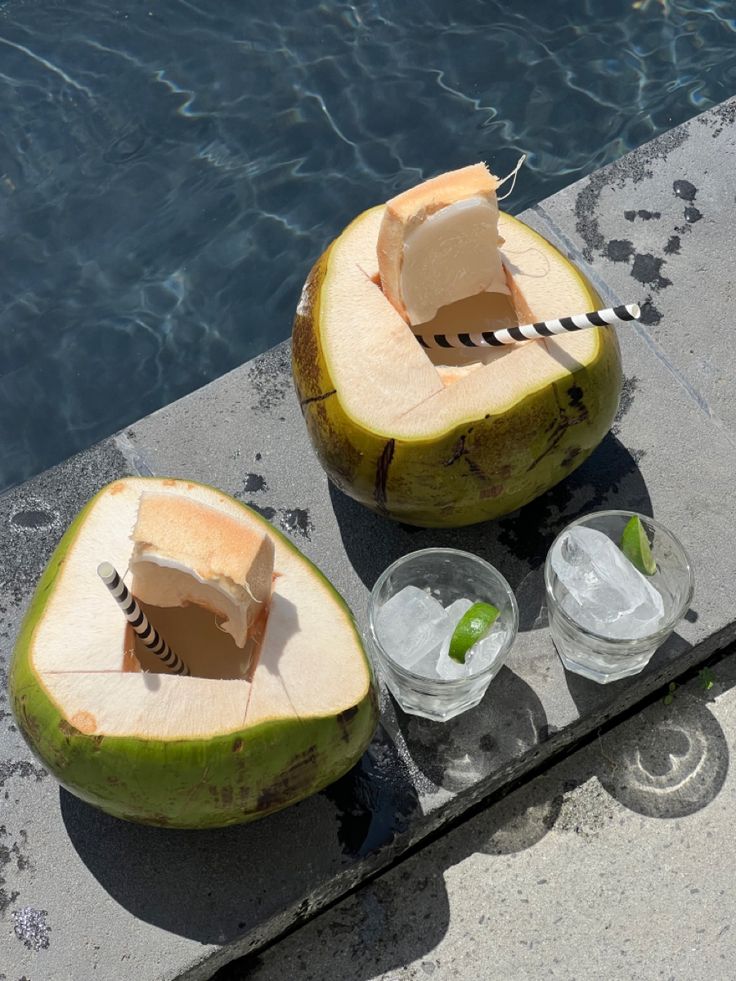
<point>139,621</point>
<point>529,332</point>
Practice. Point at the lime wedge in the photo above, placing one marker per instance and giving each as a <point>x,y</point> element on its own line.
<point>635,546</point>
<point>474,624</point>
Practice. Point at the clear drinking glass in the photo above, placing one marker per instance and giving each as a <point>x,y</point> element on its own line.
<point>594,655</point>
<point>447,574</point>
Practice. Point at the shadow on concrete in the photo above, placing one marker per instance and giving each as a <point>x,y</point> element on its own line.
<point>399,918</point>
<point>388,925</point>
<point>517,544</point>
<point>220,885</point>
<point>375,801</point>
<point>670,759</point>
<point>486,740</point>
<point>666,762</point>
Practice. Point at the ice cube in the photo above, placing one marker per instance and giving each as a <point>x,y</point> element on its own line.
<point>444,666</point>
<point>484,653</point>
<point>426,667</point>
<point>457,610</point>
<point>410,625</point>
<point>447,668</point>
<point>605,592</point>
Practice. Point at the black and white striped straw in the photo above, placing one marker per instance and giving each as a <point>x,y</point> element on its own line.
<point>529,332</point>
<point>139,621</point>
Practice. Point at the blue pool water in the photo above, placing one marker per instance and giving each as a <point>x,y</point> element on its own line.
<point>169,170</point>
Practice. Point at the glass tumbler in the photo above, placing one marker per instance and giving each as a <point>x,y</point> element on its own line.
<point>447,574</point>
<point>593,654</point>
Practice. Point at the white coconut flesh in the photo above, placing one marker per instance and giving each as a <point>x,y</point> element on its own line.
<point>389,384</point>
<point>310,663</point>
<point>187,552</point>
<point>450,256</point>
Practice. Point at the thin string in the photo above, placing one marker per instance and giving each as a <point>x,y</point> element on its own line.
<point>513,174</point>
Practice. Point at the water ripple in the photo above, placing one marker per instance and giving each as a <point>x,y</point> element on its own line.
<point>169,172</point>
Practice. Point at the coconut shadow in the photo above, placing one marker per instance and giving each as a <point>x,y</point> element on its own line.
<point>248,883</point>
<point>516,544</point>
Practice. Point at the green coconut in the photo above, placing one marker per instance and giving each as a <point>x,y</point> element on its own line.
<point>252,730</point>
<point>441,437</point>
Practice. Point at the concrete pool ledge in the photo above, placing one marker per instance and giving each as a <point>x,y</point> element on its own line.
<point>81,892</point>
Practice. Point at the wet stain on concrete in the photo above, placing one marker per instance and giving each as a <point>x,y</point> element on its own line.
<point>254,482</point>
<point>31,927</point>
<point>626,400</point>
<point>270,376</point>
<point>634,167</point>
<point>265,511</point>
<point>59,493</point>
<point>650,315</point>
<point>296,521</point>
<point>20,768</point>
<point>647,269</point>
<point>719,118</point>
<point>643,214</point>
<point>11,855</point>
<point>374,800</point>
<point>619,250</point>
<point>33,518</point>
<point>685,190</point>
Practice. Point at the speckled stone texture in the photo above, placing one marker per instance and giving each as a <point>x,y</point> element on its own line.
<point>657,226</point>
<point>130,903</point>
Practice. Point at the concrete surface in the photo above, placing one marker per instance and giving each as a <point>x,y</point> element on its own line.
<point>616,864</point>
<point>82,893</point>
<point>657,226</point>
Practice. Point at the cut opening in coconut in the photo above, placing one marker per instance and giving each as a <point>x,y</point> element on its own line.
<point>389,384</point>
<point>473,314</point>
<point>442,268</point>
<point>301,655</point>
<point>194,634</point>
<point>203,580</point>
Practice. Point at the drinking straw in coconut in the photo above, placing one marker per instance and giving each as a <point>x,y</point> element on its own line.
<point>529,332</point>
<point>139,621</point>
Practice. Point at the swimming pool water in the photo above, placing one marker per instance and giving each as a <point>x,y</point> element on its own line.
<point>169,170</point>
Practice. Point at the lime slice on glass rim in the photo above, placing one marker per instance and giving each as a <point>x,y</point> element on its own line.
<point>635,546</point>
<point>473,626</point>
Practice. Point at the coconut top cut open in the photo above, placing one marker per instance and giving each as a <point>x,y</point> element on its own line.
<point>438,243</point>
<point>385,380</point>
<point>187,552</point>
<point>307,661</point>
